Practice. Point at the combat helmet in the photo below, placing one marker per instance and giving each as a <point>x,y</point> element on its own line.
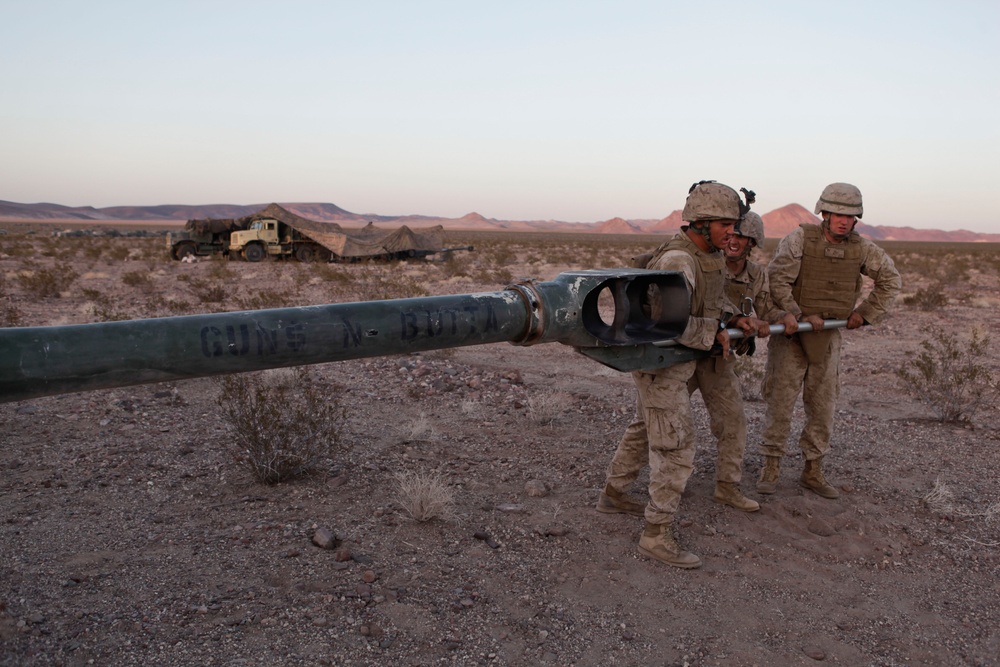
<point>708,200</point>
<point>841,198</point>
<point>752,227</point>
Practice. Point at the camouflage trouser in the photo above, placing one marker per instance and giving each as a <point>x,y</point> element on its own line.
<point>815,369</point>
<point>662,435</point>
<point>720,389</point>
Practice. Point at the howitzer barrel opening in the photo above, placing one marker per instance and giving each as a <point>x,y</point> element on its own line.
<point>645,309</point>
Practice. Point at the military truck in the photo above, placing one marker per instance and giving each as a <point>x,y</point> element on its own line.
<point>270,237</point>
<point>203,237</point>
<point>276,232</point>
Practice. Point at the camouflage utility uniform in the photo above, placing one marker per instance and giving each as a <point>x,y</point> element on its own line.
<point>663,434</point>
<point>719,385</point>
<point>811,276</point>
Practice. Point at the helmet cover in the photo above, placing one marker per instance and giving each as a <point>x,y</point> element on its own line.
<point>840,198</point>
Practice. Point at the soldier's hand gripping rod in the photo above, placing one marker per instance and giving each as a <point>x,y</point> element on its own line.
<point>598,312</point>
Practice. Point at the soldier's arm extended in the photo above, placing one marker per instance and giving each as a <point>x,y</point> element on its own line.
<point>878,266</point>
<point>765,307</point>
<point>783,270</point>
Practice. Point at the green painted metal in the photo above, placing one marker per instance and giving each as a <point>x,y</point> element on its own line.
<point>41,361</point>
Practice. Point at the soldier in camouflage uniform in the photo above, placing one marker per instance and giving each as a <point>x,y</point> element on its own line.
<point>662,434</point>
<point>815,275</point>
<point>747,289</point>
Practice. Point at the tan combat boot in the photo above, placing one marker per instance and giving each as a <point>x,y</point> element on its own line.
<point>812,479</point>
<point>613,501</point>
<point>658,542</point>
<point>769,474</point>
<point>728,493</point>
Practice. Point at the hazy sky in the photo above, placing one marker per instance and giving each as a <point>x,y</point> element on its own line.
<point>576,111</point>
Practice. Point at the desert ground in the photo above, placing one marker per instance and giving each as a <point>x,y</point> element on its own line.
<point>132,535</point>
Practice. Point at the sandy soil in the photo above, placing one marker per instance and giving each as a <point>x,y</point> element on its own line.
<point>130,537</point>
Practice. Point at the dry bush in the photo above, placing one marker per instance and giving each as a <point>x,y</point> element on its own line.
<point>425,496</point>
<point>950,377</point>
<point>218,269</point>
<point>471,408</point>
<point>45,283</point>
<point>118,253</point>
<point>330,273</point>
<point>10,315</point>
<point>264,299</point>
<point>18,246</point>
<point>546,408</point>
<point>377,282</point>
<point>282,423</point>
<point>208,292</point>
<point>928,298</point>
<point>137,279</point>
<point>420,427</point>
<point>750,372</point>
<point>456,265</point>
<point>941,500</point>
<point>104,308</point>
<point>93,251</point>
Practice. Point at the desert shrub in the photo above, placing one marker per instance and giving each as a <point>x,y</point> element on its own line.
<point>950,377</point>
<point>500,276</point>
<point>177,306</point>
<point>207,292</point>
<point>331,274</point>
<point>264,299</point>
<point>18,246</point>
<point>49,247</point>
<point>928,298</point>
<point>104,311</point>
<point>152,250</point>
<point>420,428</point>
<point>93,251</point>
<point>282,424</point>
<point>118,252</point>
<point>219,270</point>
<point>44,283</point>
<point>547,408</point>
<point>137,279</point>
<point>941,500</point>
<point>456,265</point>
<point>750,372</point>
<point>425,496</point>
<point>10,315</point>
<point>379,282</point>
<point>103,308</point>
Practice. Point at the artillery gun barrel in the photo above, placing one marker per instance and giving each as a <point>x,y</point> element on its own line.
<point>41,361</point>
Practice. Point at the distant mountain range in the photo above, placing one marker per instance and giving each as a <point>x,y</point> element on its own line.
<point>777,223</point>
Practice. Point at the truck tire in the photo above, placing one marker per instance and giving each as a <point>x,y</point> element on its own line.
<point>254,252</point>
<point>305,253</point>
<point>182,250</point>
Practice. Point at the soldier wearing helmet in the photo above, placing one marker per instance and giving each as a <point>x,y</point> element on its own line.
<point>662,434</point>
<point>746,281</point>
<point>747,289</point>
<point>816,274</point>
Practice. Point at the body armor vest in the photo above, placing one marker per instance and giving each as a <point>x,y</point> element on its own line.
<point>708,298</point>
<point>737,291</point>
<point>829,280</point>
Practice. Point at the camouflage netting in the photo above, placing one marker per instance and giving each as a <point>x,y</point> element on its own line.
<point>367,242</point>
<point>215,225</point>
